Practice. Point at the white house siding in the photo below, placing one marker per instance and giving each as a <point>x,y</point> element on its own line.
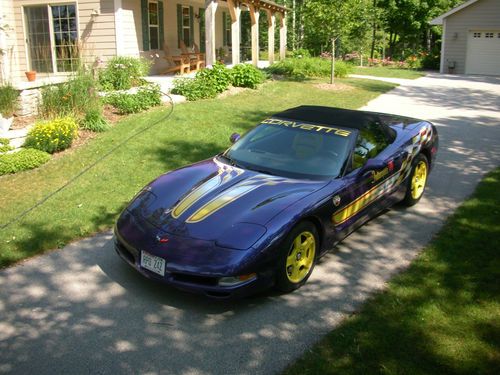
<point>131,27</point>
<point>483,15</point>
<point>8,43</point>
<point>97,32</point>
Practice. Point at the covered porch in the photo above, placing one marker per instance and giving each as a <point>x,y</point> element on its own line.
<point>218,30</point>
<point>273,13</point>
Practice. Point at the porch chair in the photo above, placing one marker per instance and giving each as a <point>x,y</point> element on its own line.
<point>179,64</point>
<point>196,59</point>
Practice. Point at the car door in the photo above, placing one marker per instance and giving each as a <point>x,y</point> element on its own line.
<point>367,185</point>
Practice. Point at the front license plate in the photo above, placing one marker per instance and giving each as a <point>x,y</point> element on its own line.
<point>153,263</point>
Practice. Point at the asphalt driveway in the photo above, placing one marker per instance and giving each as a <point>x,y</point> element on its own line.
<point>82,310</point>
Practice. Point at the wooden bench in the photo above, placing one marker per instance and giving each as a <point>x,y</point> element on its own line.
<point>176,64</point>
<point>196,58</point>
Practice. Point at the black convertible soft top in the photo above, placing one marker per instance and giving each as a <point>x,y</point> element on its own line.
<point>346,118</point>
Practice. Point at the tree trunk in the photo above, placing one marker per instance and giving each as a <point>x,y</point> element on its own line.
<point>332,76</point>
<point>294,34</point>
<point>374,32</point>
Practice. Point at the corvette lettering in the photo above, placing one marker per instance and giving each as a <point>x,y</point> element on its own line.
<point>305,126</point>
<point>378,175</point>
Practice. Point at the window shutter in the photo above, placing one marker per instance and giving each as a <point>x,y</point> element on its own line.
<point>202,29</point>
<point>145,25</point>
<point>161,25</point>
<point>179,25</point>
<point>224,35</point>
<point>191,26</point>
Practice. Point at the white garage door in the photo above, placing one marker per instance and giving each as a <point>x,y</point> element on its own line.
<point>483,52</point>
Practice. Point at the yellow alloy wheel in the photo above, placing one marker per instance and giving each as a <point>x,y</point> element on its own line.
<point>418,180</point>
<point>300,258</point>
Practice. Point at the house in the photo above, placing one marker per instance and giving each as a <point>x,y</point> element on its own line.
<point>48,36</point>
<point>471,38</point>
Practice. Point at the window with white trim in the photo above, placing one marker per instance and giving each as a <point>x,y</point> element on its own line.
<point>227,28</point>
<point>477,35</point>
<point>154,25</point>
<point>488,35</point>
<point>186,26</point>
<point>52,37</point>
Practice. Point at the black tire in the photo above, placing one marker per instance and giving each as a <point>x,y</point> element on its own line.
<point>415,184</point>
<point>292,276</point>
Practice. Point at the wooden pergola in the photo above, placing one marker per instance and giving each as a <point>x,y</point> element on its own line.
<point>254,6</point>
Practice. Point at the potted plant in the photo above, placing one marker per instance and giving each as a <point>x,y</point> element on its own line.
<point>220,54</point>
<point>31,75</point>
<point>8,105</point>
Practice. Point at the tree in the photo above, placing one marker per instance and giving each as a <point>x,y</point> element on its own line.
<point>333,19</point>
<point>407,22</point>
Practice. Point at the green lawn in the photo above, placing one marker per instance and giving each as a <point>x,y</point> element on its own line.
<point>195,131</point>
<point>383,71</point>
<point>441,316</point>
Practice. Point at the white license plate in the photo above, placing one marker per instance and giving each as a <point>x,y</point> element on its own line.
<point>153,263</point>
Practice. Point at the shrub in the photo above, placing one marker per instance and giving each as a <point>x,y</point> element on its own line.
<point>122,73</point>
<point>194,89</point>
<point>300,53</point>
<point>8,100</point>
<point>246,75</point>
<point>309,67</point>
<point>52,136</point>
<point>431,61</point>
<point>206,84</point>
<point>150,95</point>
<point>4,145</point>
<point>342,69</point>
<point>413,62</point>
<point>27,158</point>
<point>218,76</point>
<point>94,121</point>
<point>72,98</point>
<point>146,97</point>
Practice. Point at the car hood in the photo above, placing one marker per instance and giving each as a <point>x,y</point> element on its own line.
<point>206,199</point>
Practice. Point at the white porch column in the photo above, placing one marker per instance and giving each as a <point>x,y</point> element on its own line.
<point>282,36</point>
<point>235,12</point>
<point>210,9</point>
<point>271,22</point>
<point>254,18</point>
<point>119,27</point>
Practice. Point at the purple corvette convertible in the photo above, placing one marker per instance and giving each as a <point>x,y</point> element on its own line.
<point>264,211</point>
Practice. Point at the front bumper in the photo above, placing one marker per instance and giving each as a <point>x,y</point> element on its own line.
<point>200,283</point>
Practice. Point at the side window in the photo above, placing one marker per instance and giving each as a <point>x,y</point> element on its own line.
<point>370,142</point>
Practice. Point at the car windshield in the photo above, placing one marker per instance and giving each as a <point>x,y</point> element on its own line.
<point>293,149</point>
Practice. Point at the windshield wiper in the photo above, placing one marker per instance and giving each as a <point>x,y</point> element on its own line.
<point>230,160</point>
<point>265,171</point>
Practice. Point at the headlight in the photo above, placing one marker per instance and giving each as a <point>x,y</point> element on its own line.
<point>235,280</point>
<point>241,236</point>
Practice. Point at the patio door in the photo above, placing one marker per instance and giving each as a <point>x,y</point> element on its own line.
<point>52,38</point>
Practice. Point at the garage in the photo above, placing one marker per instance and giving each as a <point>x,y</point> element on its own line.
<point>470,42</point>
<point>483,52</point>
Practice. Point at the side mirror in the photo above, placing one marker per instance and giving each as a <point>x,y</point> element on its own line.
<point>371,166</point>
<point>234,137</point>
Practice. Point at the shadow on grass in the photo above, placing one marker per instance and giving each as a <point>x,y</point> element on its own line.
<point>368,85</point>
